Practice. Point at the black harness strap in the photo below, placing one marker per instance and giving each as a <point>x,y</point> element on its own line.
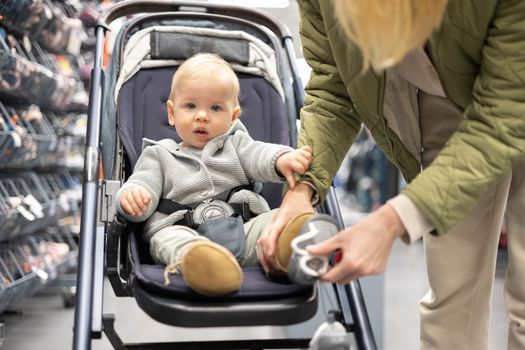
<point>168,206</point>
<point>226,195</point>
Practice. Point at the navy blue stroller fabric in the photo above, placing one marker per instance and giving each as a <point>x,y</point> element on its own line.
<point>255,285</point>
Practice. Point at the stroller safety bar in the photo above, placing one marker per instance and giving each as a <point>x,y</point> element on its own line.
<point>126,8</point>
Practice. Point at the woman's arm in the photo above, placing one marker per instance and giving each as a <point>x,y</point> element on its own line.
<point>329,125</point>
<point>329,122</point>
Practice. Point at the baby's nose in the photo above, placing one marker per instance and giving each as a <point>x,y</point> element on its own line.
<point>202,115</point>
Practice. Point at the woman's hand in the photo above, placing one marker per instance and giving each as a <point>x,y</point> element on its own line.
<point>135,201</point>
<point>365,247</point>
<point>296,201</point>
<point>295,161</point>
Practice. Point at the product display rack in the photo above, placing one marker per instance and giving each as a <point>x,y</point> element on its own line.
<point>43,104</point>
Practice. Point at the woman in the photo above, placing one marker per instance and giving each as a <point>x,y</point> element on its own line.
<point>441,86</point>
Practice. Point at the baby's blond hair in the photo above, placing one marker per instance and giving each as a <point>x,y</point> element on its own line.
<point>206,65</point>
<point>386,30</point>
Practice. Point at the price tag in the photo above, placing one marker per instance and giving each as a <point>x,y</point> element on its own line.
<point>34,205</point>
<point>25,213</point>
<point>40,273</point>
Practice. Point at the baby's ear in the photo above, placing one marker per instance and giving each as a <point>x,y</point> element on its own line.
<point>236,113</point>
<point>171,116</point>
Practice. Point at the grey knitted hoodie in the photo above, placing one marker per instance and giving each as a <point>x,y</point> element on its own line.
<point>168,170</point>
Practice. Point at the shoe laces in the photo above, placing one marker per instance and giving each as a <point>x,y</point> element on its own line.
<point>170,269</point>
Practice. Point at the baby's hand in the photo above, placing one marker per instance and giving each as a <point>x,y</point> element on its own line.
<point>296,161</point>
<point>135,201</point>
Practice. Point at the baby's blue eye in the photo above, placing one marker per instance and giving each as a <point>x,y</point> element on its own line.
<point>216,108</point>
<point>190,105</point>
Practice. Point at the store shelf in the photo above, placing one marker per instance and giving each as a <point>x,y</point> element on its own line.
<point>45,21</point>
<point>43,106</point>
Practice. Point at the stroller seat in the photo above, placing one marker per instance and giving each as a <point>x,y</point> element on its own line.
<point>258,302</point>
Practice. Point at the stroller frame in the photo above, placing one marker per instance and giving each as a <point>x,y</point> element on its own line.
<point>89,322</point>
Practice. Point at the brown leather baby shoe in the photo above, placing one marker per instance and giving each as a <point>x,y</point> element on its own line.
<point>283,250</point>
<point>210,269</point>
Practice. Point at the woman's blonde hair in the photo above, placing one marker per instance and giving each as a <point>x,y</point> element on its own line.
<point>386,30</point>
<point>207,65</point>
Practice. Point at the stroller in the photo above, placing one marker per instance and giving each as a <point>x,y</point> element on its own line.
<point>127,103</point>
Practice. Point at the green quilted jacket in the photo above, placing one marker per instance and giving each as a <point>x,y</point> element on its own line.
<point>479,54</point>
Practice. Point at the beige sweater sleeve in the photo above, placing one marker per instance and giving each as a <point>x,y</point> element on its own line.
<point>416,224</point>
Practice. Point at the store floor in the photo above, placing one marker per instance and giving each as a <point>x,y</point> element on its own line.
<point>43,323</point>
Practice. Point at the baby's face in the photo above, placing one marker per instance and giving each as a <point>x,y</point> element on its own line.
<point>202,110</point>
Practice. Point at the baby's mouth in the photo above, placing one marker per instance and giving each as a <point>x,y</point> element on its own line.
<point>200,132</point>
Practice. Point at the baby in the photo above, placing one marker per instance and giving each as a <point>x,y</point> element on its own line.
<point>202,217</point>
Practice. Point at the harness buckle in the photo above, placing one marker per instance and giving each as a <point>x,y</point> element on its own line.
<point>210,210</point>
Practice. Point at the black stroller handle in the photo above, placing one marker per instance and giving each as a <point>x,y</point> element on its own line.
<point>131,7</point>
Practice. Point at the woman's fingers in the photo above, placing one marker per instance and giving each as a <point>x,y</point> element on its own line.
<point>274,231</point>
<point>295,202</point>
<point>266,244</point>
<point>325,247</point>
<point>365,247</point>
<point>262,258</point>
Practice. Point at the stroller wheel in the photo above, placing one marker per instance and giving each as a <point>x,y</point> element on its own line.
<point>68,299</point>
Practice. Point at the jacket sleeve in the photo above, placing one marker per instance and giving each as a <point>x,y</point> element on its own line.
<point>258,158</point>
<point>329,123</point>
<point>491,138</point>
<point>148,174</point>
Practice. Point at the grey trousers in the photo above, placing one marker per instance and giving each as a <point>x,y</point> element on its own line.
<point>166,245</point>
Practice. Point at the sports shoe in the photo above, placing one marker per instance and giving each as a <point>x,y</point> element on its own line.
<point>304,268</point>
